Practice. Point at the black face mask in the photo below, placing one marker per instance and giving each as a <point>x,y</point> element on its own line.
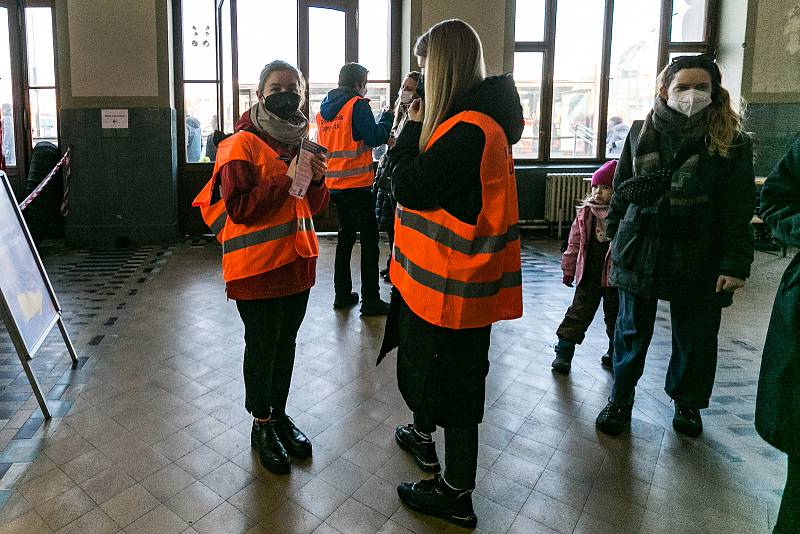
<point>284,104</point>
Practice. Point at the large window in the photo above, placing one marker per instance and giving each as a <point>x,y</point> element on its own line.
<point>585,69</point>
<point>318,36</point>
<point>28,101</point>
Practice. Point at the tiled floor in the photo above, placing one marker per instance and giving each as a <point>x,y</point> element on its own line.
<point>151,436</point>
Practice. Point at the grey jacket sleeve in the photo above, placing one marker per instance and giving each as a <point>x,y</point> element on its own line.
<point>619,205</point>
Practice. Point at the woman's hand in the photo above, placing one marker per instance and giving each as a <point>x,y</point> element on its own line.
<point>319,165</point>
<point>729,283</point>
<point>417,110</point>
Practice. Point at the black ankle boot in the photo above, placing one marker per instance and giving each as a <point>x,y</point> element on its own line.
<point>565,350</point>
<point>434,497</point>
<point>294,441</point>
<point>687,421</point>
<point>614,418</point>
<point>270,451</point>
<point>607,359</point>
<point>423,452</point>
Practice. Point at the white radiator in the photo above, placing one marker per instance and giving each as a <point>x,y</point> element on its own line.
<point>563,192</point>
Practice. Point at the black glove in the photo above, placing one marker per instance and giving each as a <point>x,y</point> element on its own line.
<point>645,190</point>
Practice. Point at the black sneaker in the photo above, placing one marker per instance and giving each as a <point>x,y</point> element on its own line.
<point>687,421</point>
<point>614,418</point>
<point>565,351</point>
<point>432,497</point>
<point>270,451</point>
<point>607,359</point>
<point>293,440</point>
<point>345,301</point>
<point>375,307</point>
<point>423,452</point>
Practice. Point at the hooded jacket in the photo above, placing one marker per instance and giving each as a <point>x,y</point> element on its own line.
<point>447,175</point>
<point>364,126</point>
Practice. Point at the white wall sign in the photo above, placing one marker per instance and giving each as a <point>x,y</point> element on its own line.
<point>114,118</point>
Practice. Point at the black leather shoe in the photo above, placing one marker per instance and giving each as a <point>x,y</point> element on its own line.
<point>607,359</point>
<point>614,418</point>
<point>294,441</point>
<point>377,307</point>
<point>429,497</point>
<point>565,351</point>
<point>423,452</point>
<point>687,421</point>
<point>270,451</point>
<point>345,301</point>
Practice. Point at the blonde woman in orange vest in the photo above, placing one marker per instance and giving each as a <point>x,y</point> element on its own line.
<point>269,250</point>
<point>456,260</point>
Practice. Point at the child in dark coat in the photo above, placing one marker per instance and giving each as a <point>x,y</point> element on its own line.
<point>587,262</point>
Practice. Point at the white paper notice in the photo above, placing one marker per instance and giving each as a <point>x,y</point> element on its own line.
<point>303,171</point>
<point>114,118</point>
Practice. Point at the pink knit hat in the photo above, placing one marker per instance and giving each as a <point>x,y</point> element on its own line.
<point>605,174</point>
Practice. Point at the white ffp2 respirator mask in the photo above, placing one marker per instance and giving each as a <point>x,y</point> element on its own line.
<point>406,96</point>
<point>690,102</point>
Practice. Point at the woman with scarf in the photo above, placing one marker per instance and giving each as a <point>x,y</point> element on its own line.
<point>680,227</point>
<point>269,250</point>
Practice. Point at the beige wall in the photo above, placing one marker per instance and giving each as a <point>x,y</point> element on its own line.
<point>488,17</point>
<point>114,53</point>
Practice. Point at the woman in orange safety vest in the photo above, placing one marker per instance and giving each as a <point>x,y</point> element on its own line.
<point>269,250</point>
<point>456,259</point>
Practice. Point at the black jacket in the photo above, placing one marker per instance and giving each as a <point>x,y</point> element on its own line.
<point>778,400</point>
<point>679,256</point>
<point>448,174</point>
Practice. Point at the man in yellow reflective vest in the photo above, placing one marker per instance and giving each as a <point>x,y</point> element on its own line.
<point>347,127</point>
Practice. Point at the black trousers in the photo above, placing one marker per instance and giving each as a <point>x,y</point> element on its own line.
<point>460,451</point>
<point>270,331</point>
<point>789,514</point>
<point>584,306</point>
<point>356,211</point>
<point>693,363</point>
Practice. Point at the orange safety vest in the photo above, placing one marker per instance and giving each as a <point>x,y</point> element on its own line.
<point>349,162</point>
<point>273,241</point>
<point>458,275</point>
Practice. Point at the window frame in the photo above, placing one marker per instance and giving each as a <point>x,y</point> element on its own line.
<point>20,83</point>
<point>349,7</point>
<point>547,48</point>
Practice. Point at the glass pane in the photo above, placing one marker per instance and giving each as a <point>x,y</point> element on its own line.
<point>201,116</point>
<point>258,45</point>
<point>326,55</point>
<point>634,59</point>
<point>688,21</point>
<point>529,24</point>
<point>227,69</point>
<point>39,33</point>
<point>199,40</point>
<point>44,121</point>
<point>6,101</point>
<point>576,84</point>
<point>374,31</point>
<point>528,75</point>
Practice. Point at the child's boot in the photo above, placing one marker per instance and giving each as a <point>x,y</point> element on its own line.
<point>565,350</point>
<point>607,359</point>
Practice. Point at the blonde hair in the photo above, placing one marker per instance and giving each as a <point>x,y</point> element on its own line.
<point>455,66</point>
<point>724,122</point>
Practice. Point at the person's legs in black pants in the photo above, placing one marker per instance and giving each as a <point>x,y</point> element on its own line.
<point>461,456</point>
<point>610,313</point>
<point>262,326</point>
<point>294,310</point>
<point>364,213</point>
<point>693,365</point>
<point>632,335</point>
<point>348,227</point>
<point>789,514</point>
<point>580,314</point>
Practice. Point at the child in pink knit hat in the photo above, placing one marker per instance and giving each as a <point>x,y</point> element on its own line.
<point>587,262</point>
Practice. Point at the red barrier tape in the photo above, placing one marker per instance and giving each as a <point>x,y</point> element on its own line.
<point>39,188</point>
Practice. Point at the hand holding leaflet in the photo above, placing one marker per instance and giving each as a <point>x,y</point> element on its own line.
<point>302,166</point>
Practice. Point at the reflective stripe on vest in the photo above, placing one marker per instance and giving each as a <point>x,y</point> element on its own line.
<point>349,161</point>
<point>458,275</point>
<point>252,249</point>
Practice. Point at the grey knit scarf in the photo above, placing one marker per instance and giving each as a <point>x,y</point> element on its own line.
<point>288,132</point>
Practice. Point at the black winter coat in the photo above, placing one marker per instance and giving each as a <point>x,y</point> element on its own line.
<point>655,255</point>
<point>778,400</point>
